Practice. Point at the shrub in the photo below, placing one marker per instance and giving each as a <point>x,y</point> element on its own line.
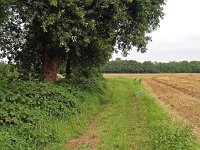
<point>87,84</point>
<point>8,72</point>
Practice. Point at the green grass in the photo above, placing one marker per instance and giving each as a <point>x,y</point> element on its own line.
<point>132,119</point>
<point>155,128</point>
<point>126,117</point>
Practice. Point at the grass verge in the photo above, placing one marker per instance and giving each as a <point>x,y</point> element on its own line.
<point>156,129</point>
<point>132,119</point>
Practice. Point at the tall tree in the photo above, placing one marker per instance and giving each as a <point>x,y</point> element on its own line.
<point>4,5</point>
<point>79,32</point>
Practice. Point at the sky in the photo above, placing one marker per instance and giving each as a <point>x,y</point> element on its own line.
<point>177,38</point>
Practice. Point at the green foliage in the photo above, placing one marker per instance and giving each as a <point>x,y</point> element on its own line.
<point>8,72</point>
<point>86,30</point>
<point>4,12</point>
<point>131,66</point>
<point>19,99</point>
<point>31,113</point>
<point>96,85</point>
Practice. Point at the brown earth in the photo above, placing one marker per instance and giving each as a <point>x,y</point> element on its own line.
<point>178,93</point>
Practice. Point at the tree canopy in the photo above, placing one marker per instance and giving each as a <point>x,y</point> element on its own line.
<point>40,35</point>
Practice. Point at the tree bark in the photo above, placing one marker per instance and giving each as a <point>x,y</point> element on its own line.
<point>51,64</point>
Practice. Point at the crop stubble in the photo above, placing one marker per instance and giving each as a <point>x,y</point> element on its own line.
<point>178,93</point>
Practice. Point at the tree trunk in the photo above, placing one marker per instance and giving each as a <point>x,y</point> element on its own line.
<point>51,64</point>
<point>68,69</point>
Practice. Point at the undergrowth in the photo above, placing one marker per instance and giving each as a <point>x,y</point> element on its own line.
<point>42,116</point>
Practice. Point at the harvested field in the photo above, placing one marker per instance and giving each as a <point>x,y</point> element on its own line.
<point>179,93</point>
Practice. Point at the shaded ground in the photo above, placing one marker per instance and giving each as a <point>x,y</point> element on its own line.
<point>179,93</point>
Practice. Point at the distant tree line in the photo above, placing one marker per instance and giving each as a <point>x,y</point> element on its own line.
<point>131,66</point>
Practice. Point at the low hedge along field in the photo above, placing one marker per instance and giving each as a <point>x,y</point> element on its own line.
<point>30,111</point>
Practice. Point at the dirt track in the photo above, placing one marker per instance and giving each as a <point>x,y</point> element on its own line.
<point>179,93</point>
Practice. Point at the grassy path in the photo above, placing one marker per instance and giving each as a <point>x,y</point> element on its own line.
<point>132,120</point>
